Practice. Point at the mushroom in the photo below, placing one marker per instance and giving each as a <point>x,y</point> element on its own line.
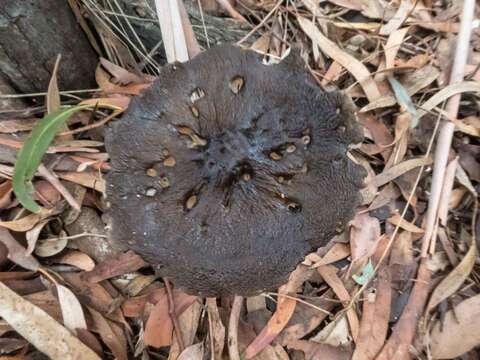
<point>227,172</point>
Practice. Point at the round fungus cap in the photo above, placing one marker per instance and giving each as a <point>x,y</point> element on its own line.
<point>227,172</point>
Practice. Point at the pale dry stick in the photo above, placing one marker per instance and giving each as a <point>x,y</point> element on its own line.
<point>210,329</point>
<point>171,28</point>
<point>258,26</point>
<point>94,125</point>
<point>68,92</point>
<point>200,8</point>
<point>193,48</point>
<point>448,127</point>
<point>53,180</point>
<point>76,236</point>
<point>225,5</point>
<point>173,315</point>
<point>233,328</point>
<point>298,300</point>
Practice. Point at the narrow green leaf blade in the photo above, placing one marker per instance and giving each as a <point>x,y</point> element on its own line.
<point>30,155</point>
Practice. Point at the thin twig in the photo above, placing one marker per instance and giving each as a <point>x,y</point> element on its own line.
<point>173,315</point>
<point>233,328</point>
<point>274,9</point>
<point>200,8</point>
<point>299,300</point>
<point>68,92</point>
<point>225,5</point>
<point>94,125</point>
<point>53,180</point>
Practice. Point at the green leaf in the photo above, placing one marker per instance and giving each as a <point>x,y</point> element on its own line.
<point>366,275</point>
<point>30,155</point>
<point>404,99</point>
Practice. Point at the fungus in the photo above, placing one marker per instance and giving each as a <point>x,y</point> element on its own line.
<point>245,185</point>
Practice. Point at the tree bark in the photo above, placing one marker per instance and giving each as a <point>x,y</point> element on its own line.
<point>32,34</point>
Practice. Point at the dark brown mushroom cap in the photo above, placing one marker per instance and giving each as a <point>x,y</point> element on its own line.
<point>226,172</point>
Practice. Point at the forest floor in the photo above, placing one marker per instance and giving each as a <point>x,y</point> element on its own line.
<point>401,282</point>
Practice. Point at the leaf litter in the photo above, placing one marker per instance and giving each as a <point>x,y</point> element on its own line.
<point>352,299</point>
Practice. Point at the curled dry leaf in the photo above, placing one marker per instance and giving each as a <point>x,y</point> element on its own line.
<point>335,333</point>
<point>398,344</point>
<point>400,169</point>
<point>111,334</point>
<point>51,246</point>
<point>447,92</point>
<point>330,276</point>
<point>404,10</point>
<point>216,329</point>
<point>337,252</point>
<point>455,279</point>
<point>115,266</point>
<point>309,322</point>
<point>72,312</point>
<point>188,322</point>
<point>457,332</point>
<point>375,317</point>
<point>17,253</point>
<point>159,325</point>
<point>33,234</point>
<point>364,237</point>
<point>40,329</point>
<point>355,67</point>
<point>94,296</point>
<point>388,194</point>
<point>78,259</point>
<point>392,46</point>
<point>53,94</point>
<point>397,220</point>
<point>192,352</point>
<point>13,126</point>
<point>283,313</point>
<point>316,351</point>
<point>26,223</point>
<point>121,75</point>
<point>275,325</point>
<point>90,180</point>
<point>103,80</point>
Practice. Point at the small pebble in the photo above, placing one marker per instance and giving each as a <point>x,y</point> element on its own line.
<point>152,172</point>
<point>164,182</point>
<point>306,139</point>
<point>236,84</point>
<point>293,207</point>
<point>246,177</point>
<point>191,202</point>
<point>291,148</point>
<point>196,95</point>
<point>194,111</point>
<point>169,162</point>
<point>275,156</point>
<point>150,192</point>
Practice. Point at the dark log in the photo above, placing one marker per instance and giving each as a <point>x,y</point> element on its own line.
<point>32,34</point>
